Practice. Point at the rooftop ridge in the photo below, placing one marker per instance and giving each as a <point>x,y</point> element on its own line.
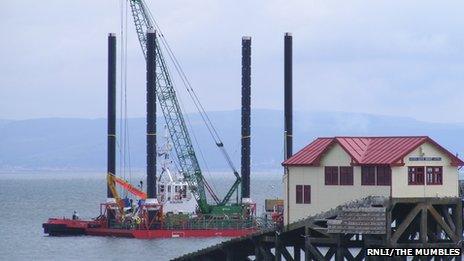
<point>376,136</point>
<point>364,150</point>
<point>369,141</point>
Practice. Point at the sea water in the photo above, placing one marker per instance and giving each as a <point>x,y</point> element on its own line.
<point>28,199</point>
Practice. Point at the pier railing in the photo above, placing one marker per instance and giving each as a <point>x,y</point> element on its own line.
<point>348,231</point>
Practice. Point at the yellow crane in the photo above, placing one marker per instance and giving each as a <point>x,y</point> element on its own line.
<point>112,180</point>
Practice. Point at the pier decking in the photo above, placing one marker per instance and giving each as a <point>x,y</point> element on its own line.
<point>347,231</point>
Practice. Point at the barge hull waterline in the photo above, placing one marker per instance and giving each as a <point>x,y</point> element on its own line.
<point>68,227</point>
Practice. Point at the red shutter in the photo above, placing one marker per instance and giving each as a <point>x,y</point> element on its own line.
<point>383,175</point>
<point>350,176</point>
<point>363,175</point>
<point>434,175</point>
<point>342,176</point>
<point>331,175</point>
<point>299,194</point>
<point>439,175</point>
<point>327,175</point>
<point>411,173</point>
<point>335,175</point>
<point>307,194</point>
<point>415,175</point>
<point>346,175</point>
<point>368,175</point>
<point>420,175</point>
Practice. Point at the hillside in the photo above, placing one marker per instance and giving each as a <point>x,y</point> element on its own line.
<point>62,143</point>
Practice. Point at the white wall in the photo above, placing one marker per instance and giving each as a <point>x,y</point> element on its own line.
<point>400,187</point>
<point>325,197</point>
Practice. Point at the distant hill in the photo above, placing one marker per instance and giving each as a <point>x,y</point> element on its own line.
<point>4,122</point>
<point>64,143</point>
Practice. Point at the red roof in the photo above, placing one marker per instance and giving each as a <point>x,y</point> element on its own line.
<point>366,150</point>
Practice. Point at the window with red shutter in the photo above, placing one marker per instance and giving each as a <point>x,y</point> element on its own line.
<point>307,194</point>
<point>346,175</point>
<point>368,175</point>
<point>434,175</point>
<point>383,175</point>
<point>299,194</point>
<point>331,175</point>
<point>415,175</point>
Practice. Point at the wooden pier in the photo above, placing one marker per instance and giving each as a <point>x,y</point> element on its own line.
<point>346,232</point>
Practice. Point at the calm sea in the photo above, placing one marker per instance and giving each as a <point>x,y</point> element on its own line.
<point>29,199</point>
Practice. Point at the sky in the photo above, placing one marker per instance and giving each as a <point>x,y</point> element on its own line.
<point>399,58</point>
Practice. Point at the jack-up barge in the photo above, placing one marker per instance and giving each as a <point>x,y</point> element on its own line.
<point>145,215</point>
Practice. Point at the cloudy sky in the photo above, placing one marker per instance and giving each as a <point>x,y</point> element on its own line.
<point>401,58</point>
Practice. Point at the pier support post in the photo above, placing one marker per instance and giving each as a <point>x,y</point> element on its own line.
<point>388,229</point>
<point>296,253</point>
<point>458,223</point>
<point>229,255</point>
<point>339,253</point>
<point>311,251</point>
<point>278,248</point>
<point>257,252</point>
<point>423,226</point>
<point>306,243</point>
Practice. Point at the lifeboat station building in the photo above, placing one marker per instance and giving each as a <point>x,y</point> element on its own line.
<point>332,171</point>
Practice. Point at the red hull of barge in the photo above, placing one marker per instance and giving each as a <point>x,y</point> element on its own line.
<point>63,227</point>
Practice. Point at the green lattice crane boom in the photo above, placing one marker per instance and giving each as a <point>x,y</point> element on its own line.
<point>173,116</point>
